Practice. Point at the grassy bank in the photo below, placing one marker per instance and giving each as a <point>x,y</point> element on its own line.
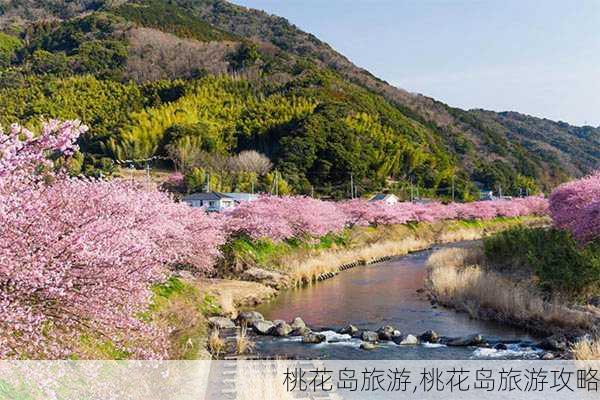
<point>303,261</point>
<point>182,307</point>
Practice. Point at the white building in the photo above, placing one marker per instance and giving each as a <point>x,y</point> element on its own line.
<point>217,202</point>
<point>386,198</point>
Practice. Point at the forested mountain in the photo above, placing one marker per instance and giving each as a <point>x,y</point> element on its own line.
<point>204,79</point>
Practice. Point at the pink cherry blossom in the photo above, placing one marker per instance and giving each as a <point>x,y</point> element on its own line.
<point>80,255</point>
<point>573,206</point>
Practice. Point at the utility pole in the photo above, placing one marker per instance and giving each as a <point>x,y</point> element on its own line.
<point>351,186</point>
<point>312,191</point>
<point>500,190</point>
<point>252,186</point>
<point>148,174</point>
<point>207,183</point>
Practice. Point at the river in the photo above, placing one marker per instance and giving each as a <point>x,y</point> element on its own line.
<point>383,294</point>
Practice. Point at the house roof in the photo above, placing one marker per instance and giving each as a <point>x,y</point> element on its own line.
<point>206,196</point>
<point>242,196</point>
<point>382,196</point>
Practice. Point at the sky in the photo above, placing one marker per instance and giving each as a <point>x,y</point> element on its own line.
<point>537,57</point>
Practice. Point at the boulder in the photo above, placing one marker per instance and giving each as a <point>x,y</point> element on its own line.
<point>221,323</point>
<point>548,356</point>
<point>554,343</point>
<point>368,346</point>
<point>297,323</point>
<point>406,340</point>
<point>313,338</point>
<point>348,330</point>
<point>249,317</point>
<point>429,337</point>
<point>269,278</point>
<point>501,346</point>
<point>301,331</point>
<point>369,336</point>
<point>471,340</point>
<point>386,332</point>
<point>263,327</point>
<point>281,330</point>
<point>278,322</point>
<point>594,301</point>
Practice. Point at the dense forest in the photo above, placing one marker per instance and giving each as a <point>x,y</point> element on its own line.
<point>190,84</point>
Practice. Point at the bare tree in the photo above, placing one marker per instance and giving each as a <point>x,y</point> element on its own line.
<point>185,153</point>
<point>251,161</point>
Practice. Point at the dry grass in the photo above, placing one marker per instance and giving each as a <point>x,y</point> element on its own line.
<point>371,243</point>
<point>587,350</point>
<point>235,293</point>
<point>456,257</point>
<point>306,270</point>
<point>215,344</point>
<point>243,344</point>
<point>227,305</point>
<point>460,235</point>
<point>456,279</point>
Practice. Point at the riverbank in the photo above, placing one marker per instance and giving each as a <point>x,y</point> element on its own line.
<point>466,280</point>
<point>256,272</point>
<point>297,263</point>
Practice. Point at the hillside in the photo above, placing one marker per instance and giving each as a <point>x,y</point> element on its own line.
<point>205,79</point>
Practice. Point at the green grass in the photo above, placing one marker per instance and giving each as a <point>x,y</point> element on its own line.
<point>265,252</point>
<point>181,306</point>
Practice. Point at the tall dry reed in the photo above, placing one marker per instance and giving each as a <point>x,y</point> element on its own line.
<point>456,279</point>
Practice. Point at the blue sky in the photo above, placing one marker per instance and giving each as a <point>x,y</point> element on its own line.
<point>537,57</point>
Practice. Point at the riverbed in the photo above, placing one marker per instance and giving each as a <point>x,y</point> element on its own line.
<point>381,294</point>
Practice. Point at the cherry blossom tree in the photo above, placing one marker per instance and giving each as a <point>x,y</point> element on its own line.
<point>78,256</point>
<point>279,218</point>
<point>574,205</point>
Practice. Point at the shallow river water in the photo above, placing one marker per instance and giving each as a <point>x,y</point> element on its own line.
<point>383,294</point>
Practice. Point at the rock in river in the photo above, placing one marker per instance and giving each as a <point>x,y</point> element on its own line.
<point>301,331</point>
<point>349,330</point>
<point>471,340</point>
<point>386,332</point>
<point>554,343</point>
<point>548,356</point>
<point>221,323</point>
<point>298,323</point>
<point>248,318</point>
<point>263,327</point>
<point>407,340</point>
<point>313,338</point>
<point>282,329</point>
<point>368,346</point>
<point>429,337</point>
<point>369,336</point>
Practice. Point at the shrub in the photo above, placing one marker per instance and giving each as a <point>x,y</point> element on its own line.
<point>557,260</point>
